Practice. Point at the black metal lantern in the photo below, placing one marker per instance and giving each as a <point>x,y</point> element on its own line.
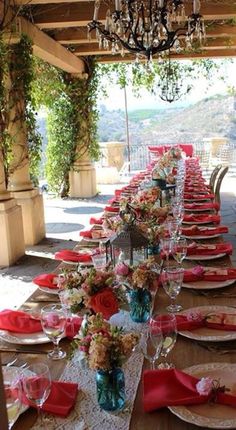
<point>128,240</point>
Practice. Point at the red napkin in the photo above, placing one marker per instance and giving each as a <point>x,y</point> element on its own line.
<point>199,273</point>
<point>19,322</point>
<point>202,218</point>
<point>86,233</point>
<point>217,248</point>
<point>118,193</point>
<point>199,196</point>
<point>201,206</point>
<point>94,220</point>
<point>172,387</point>
<point>61,399</point>
<point>46,280</point>
<point>219,321</point>
<point>204,231</point>
<point>67,255</point>
<point>114,200</point>
<point>111,209</point>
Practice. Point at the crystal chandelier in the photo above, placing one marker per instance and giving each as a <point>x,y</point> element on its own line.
<point>147,27</point>
<point>171,85</point>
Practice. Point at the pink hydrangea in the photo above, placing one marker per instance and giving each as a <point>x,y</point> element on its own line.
<point>194,316</point>
<point>121,269</point>
<point>204,386</point>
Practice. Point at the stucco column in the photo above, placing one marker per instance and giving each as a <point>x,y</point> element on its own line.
<point>12,245</point>
<point>19,184</point>
<point>83,178</point>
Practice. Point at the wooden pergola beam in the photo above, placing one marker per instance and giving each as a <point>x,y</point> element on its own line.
<point>77,36</point>
<point>49,50</point>
<point>129,58</point>
<point>80,13</point>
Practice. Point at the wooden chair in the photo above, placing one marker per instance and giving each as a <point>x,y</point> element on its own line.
<point>218,183</point>
<point>213,177</point>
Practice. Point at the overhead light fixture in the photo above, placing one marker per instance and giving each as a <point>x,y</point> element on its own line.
<point>171,85</point>
<point>147,27</point>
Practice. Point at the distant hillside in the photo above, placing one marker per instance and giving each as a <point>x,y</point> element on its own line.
<point>210,117</point>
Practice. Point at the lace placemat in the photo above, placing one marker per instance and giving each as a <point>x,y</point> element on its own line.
<point>87,415</point>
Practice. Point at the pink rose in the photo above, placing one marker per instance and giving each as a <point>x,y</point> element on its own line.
<point>52,319</point>
<point>121,269</point>
<point>204,386</point>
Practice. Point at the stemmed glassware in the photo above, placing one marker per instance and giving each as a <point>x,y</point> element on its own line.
<point>172,279</point>
<point>166,247</point>
<point>53,320</point>
<point>166,323</point>
<point>36,382</point>
<point>179,250</point>
<point>151,344</point>
<point>173,228</point>
<point>12,389</point>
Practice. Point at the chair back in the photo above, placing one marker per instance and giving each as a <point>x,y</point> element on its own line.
<point>214,176</point>
<point>219,181</point>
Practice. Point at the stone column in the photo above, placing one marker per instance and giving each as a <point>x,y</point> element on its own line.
<point>83,178</point>
<point>20,185</point>
<point>12,245</point>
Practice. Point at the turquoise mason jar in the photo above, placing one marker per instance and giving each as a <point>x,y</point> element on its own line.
<point>110,389</point>
<point>140,301</point>
<point>153,249</point>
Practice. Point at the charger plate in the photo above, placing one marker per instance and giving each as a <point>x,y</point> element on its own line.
<point>210,416</point>
<point>206,334</point>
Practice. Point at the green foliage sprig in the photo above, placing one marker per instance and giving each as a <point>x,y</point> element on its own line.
<point>5,141</point>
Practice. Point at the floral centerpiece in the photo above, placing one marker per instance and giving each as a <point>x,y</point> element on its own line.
<point>105,348</point>
<point>91,289</point>
<point>165,167</point>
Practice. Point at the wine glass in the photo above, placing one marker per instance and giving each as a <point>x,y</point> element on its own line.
<point>178,213</point>
<point>179,250</point>
<point>167,324</point>
<point>12,389</point>
<point>172,278</point>
<point>151,344</point>
<point>36,383</point>
<point>166,246</point>
<point>173,228</point>
<point>53,320</point>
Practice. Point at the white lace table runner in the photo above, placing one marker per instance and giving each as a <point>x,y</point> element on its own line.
<point>87,415</point>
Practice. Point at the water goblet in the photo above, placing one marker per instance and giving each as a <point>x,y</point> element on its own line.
<point>173,228</point>
<point>12,389</point>
<point>179,250</point>
<point>151,344</point>
<point>172,278</point>
<point>166,247</point>
<point>167,324</point>
<point>53,320</point>
<point>178,213</point>
<point>36,383</point>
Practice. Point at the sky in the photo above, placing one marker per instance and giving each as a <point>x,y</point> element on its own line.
<point>115,99</point>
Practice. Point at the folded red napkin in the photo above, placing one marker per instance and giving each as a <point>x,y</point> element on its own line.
<point>21,322</point>
<point>202,206</point>
<point>199,196</point>
<point>204,231</point>
<point>172,387</point>
<point>111,209</point>
<point>61,399</point>
<point>195,320</point>
<point>114,200</point>
<point>68,255</point>
<point>46,280</point>
<point>202,218</point>
<point>199,273</point>
<point>118,193</point>
<point>94,220</point>
<point>205,249</point>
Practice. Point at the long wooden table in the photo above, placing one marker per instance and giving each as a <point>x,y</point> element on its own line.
<point>185,353</point>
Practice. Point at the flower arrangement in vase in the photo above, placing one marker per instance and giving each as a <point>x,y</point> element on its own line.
<point>91,289</point>
<point>105,348</point>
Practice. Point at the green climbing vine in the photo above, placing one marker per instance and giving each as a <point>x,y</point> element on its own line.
<point>5,141</point>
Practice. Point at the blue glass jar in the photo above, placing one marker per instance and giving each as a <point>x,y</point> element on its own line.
<point>110,389</point>
<point>140,302</point>
<point>153,249</point>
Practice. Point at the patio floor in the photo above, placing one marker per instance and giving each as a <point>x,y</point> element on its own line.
<point>64,219</point>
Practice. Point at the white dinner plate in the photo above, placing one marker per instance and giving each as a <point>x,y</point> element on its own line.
<point>204,257</point>
<point>95,240</point>
<point>208,285</point>
<point>207,334</point>
<point>202,237</point>
<point>207,415</point>
<point>196,222</point>
<point>23,338</point>
<point>204,199</point>
<point>199,210</point>
<point>49,290</point>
